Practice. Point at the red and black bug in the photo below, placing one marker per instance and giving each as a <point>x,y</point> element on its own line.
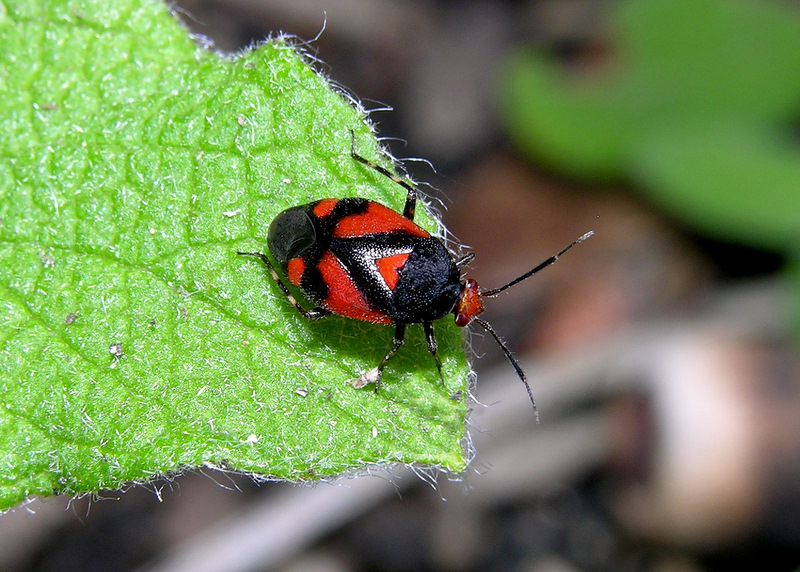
<point>359,259</point>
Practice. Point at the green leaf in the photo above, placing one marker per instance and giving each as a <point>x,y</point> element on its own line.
<point>133,165</point>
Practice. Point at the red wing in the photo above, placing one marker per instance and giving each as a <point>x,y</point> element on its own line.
<point>295,269</point>
<point>344,298</point>
<point>390,267</point>
<point>324,207</point>
<point>375,220</point>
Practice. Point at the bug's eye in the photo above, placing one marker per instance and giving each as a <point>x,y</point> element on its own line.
<point>291,234</point>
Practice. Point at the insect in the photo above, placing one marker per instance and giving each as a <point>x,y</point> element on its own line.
<point>359,259</point>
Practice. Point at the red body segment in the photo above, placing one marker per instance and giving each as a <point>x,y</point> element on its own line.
<point>469,303</point>
<point>324,207</point>
<point>344,296</point>
<point>294,270</point>
<point>390,267</point>
<point>377,219</point>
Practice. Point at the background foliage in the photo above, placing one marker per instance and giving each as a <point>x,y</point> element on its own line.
<point>698,108</point>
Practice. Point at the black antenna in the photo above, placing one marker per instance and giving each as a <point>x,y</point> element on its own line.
<point>545,264</point>
<point>486,326</point>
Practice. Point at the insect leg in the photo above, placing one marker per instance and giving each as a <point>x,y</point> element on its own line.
<point>464,260</point>
<point>312,314</point>
<point>411,196</point>
<point>432,347</point>
<point>374,375</point>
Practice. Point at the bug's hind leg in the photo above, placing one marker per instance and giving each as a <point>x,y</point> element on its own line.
<point>313,314</point>
<point>374,375</point>
<point>432,347</point>
<point>411,196</point>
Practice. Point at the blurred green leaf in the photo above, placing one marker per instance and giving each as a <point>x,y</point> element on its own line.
<point>133,165</point>
<point>695,105</point>
<point>730,179</point>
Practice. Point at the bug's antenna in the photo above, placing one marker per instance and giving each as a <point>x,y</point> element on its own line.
<point>486,326</point>
<point>545,264</point>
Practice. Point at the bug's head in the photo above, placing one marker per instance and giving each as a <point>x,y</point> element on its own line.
<point>291,234</point>
<point>469,303</point>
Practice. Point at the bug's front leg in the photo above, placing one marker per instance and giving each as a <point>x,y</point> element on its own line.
<point>374,375</point>
<point>433,348</point>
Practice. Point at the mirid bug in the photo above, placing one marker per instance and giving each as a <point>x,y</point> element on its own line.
<point>359,259</point>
